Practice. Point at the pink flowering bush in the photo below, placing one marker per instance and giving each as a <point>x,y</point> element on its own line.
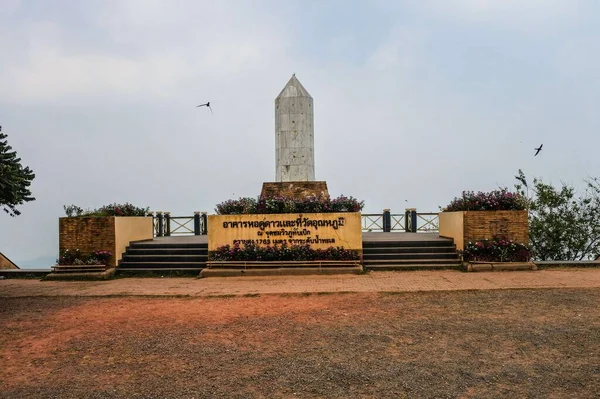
<point>497,250</point>
<point>497,200</point>
<point>283,252</point>
<point>250,205</point>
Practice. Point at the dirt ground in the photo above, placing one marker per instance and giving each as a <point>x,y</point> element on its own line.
<point>503,343</point>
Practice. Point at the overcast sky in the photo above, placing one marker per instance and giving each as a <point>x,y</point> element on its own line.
<point>414,101</point>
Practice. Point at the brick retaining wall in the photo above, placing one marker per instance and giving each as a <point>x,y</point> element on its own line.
<point>88,234</point>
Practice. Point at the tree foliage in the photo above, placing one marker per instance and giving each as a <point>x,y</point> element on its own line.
<point>14,179</point>
<point>563,225</point>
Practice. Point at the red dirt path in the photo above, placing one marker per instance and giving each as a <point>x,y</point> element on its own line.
<point>503,343</point>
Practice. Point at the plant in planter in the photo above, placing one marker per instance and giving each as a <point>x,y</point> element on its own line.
<point>115,209</point>
<point>77,257</point>
<point>483,216</point>
<point>279,205</point>
<point>283,252</point>
<point>497,200</point>
<point>109,228</point>
<point>498,249</point>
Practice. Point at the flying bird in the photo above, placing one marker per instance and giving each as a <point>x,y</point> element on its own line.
<point>206,105</point>
<point>537,150</point>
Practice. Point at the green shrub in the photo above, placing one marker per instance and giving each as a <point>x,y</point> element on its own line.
<point>125,209</point>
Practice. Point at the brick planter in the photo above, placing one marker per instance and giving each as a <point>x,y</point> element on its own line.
<point>108,233</point>
<point>471,226</point>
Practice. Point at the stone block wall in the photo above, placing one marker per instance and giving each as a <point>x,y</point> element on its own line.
<point>465,226</point>
<point>484,225</point>
<point>295,189</point>
<point>88,234</point>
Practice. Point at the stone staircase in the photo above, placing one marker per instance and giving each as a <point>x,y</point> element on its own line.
<point>381,251</point>
<point>164,256</point>
<point>402,254</point>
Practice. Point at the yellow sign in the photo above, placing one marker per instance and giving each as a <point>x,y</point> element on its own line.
<point>319,230</point>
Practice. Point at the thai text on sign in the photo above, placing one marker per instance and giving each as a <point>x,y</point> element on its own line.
<point>319,230</point>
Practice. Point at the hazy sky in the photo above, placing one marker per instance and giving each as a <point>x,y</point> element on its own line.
<point>414,101</point>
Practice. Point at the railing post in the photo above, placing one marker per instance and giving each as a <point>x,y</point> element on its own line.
<point>197,231</point>
<point>151,214</point>
<point>413,220</point>
<point>167,224</point>
<point>204,223</point>
<point>407,220</point>
<point>159,220</point>
<point>387,221</point>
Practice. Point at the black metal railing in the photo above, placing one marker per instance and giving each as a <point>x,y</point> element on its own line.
<point>410,221</point>
<point>166,225</point>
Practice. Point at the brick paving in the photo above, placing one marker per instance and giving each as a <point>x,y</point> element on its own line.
<point>411,281</point>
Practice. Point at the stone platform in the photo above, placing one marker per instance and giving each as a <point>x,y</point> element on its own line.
<point>281,271</point>
<point>294,189</point>
<point>381,251</point>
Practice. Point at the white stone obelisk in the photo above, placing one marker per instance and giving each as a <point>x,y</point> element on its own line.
<point>294,134</point>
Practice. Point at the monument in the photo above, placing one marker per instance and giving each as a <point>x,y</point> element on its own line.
<point>294,227</point>
<point>294,145</point>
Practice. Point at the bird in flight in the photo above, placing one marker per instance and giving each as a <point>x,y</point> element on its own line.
<point>206,105</point>
<point>537,150</point>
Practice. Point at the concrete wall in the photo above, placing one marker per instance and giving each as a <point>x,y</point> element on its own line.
<point>6,263</point>
<point>129,229</point>
<point>471,226</point>
<point>226,229</point>
<point>451,226</point>
<point>108,233</point>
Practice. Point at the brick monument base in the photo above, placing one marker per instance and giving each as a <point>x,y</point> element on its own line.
<point>294,189</point>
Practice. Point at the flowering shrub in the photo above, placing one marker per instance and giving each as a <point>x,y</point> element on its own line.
<point>125,209</point>
<point>76,257</point>
<point>497,200</point>
<point>102,256</point>
<point>497,250</point>
<point>283,252</point>
<point>289,205</point>
<point>236,207</point>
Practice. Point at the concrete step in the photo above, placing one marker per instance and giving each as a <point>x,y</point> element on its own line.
<point>158,269</point>
<point>430,243</point>
<point>159,265</point>
<point>401,250</point>
<point>282,271</point>
<point>413,266</point>
<point>167,251</point>
<point>407,256</point>
<point>164,258</point>
<point>371,263</point>
<point>160,244</point>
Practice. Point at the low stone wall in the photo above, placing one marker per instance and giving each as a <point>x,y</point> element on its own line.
<point>108,233</point>
<point>470,226</point>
